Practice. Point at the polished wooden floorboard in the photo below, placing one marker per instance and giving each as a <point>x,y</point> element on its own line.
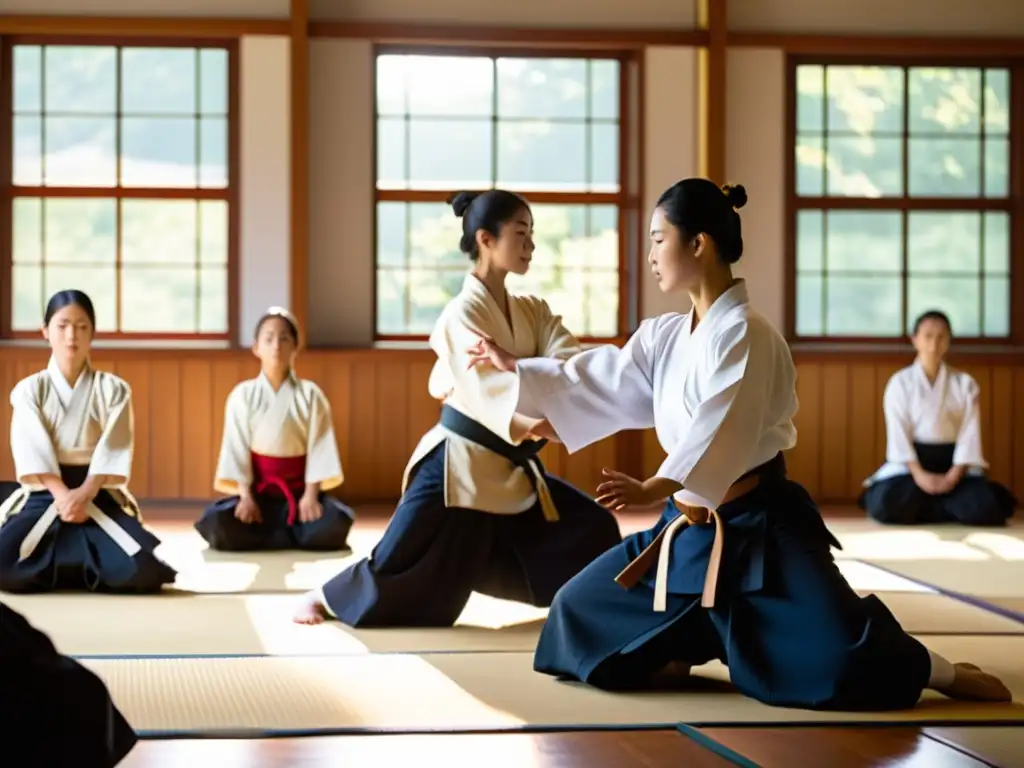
<point>607,749</point>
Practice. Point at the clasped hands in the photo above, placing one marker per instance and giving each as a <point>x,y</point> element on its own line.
<point>939,484</point>
<point>310,509</point>
<point>73,503</point>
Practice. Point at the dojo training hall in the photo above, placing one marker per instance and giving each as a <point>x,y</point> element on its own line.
<point>300,153</point>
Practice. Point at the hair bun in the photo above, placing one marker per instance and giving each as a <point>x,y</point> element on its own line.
<point>736,194</point>
<point>461,201</point>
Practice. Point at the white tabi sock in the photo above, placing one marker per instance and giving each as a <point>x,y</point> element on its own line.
<point>943,673</point>
<point>318,595</point>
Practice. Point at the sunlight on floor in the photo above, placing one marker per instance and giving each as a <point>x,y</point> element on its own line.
<point>866,578</point>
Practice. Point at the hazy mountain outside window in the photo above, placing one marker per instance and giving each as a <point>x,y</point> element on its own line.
<point>533,125</point>
<point>121,185</point>
<point>903,199</point>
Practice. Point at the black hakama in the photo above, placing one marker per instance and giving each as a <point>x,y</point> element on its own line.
<point>223,531</point>
<point>53,711</point>
<point>432,557</point>
<point>975,500</point>
<point>79,556</point>
<point>787,624</point>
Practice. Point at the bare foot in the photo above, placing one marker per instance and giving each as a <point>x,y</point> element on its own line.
<point>972,684</point>
<point>310,611</point>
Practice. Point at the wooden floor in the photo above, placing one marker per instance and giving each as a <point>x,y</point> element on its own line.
<point>776,747</point>
<point>708,748</point>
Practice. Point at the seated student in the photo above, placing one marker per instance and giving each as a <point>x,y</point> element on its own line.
<point>934,470</point>
<point>52,708</point>
<point>72,523</point>
<point>478,511</point>
<point>278,457</point>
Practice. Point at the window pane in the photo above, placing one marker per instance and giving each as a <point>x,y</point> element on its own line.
<point>434,235</point>
<point>158,152</point>
<point>604,89</point>
<point>391,302</point>
<point>997,307</point>
<point>450,86</point>
<point>810,241</point>
<point>429,291</point>
<point>158,232</point>
<point>100,283</point>
<point>446,154</point>
<point>809,305</point>
<point>810,98</point>
<point>997,168</point>
<point>391,85</point>
<point>997,101</point>
<point>213,300</point>
<point>542,155</point>
<point>997,243</point>
<point>944,100</point>
<point>80,232</point>
<point>158,81</point>
<point>810,166</point>
<point>863,306</point>
<point>27,63</point>
<point>944,167</point>
<point>865,166</point>
<point>865,100</point>
<point>80,151</point>
<point>27,237</point>
<point>391,154</point>
<point>864,241</point>
<point>158,300</point>
<point>542,88</point>
<point>958,297</point>
<point>603,234</point>
<point>944,241</point>
<point>560,239</point>
<point>27,297</point>
<point>28,151</point>
<point>213,152</point>
<point>213,81</point>
<point>213,233</point>
<point>81,80</point>
<point>604,157</point>
<point>391,234</point>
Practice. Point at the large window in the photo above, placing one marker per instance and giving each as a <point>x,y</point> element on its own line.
<point>547,128</point>
<point>902,199</point>
<point>119,186</point>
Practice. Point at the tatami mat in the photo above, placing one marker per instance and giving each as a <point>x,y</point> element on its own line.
<point>449,692</point>
<point>985,579</point>
<point>252,624</point>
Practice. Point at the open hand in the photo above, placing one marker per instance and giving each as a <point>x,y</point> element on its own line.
<point>621,491</point>
<point>486,351</point>
<point>309,508</point>
<point>247,511</point>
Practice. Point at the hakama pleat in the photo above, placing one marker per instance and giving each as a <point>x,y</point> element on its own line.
<point>975,500</point>
<point>787,624</point>
<point>53,711</point>
<point>432,557</point>
<point>223,531</point>
<point>79,556</point>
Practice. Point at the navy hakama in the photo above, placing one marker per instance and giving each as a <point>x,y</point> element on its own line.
<point>53,711</point>
<point>975,500</point>
<point>432,557</point>
<point>279,482</point>
<point>784,620</point>
<point>79,556</point>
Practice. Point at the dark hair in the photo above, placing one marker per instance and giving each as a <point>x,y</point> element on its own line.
<point>488,211</point>
<point>933,314</point>
<point>70,298</point>
<point>278,316</point>
<point>699,205</point>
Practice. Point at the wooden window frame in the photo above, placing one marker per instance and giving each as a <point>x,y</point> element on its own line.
<point>229,194</point>
<point>1013,205</point>
<point>627,204</point>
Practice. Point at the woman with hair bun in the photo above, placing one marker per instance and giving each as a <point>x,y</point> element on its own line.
<point>478,512</point>
<point>71,522</point>
<point>739,567</point>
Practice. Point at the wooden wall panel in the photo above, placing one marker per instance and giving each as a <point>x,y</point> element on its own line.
<point>381,408</point>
